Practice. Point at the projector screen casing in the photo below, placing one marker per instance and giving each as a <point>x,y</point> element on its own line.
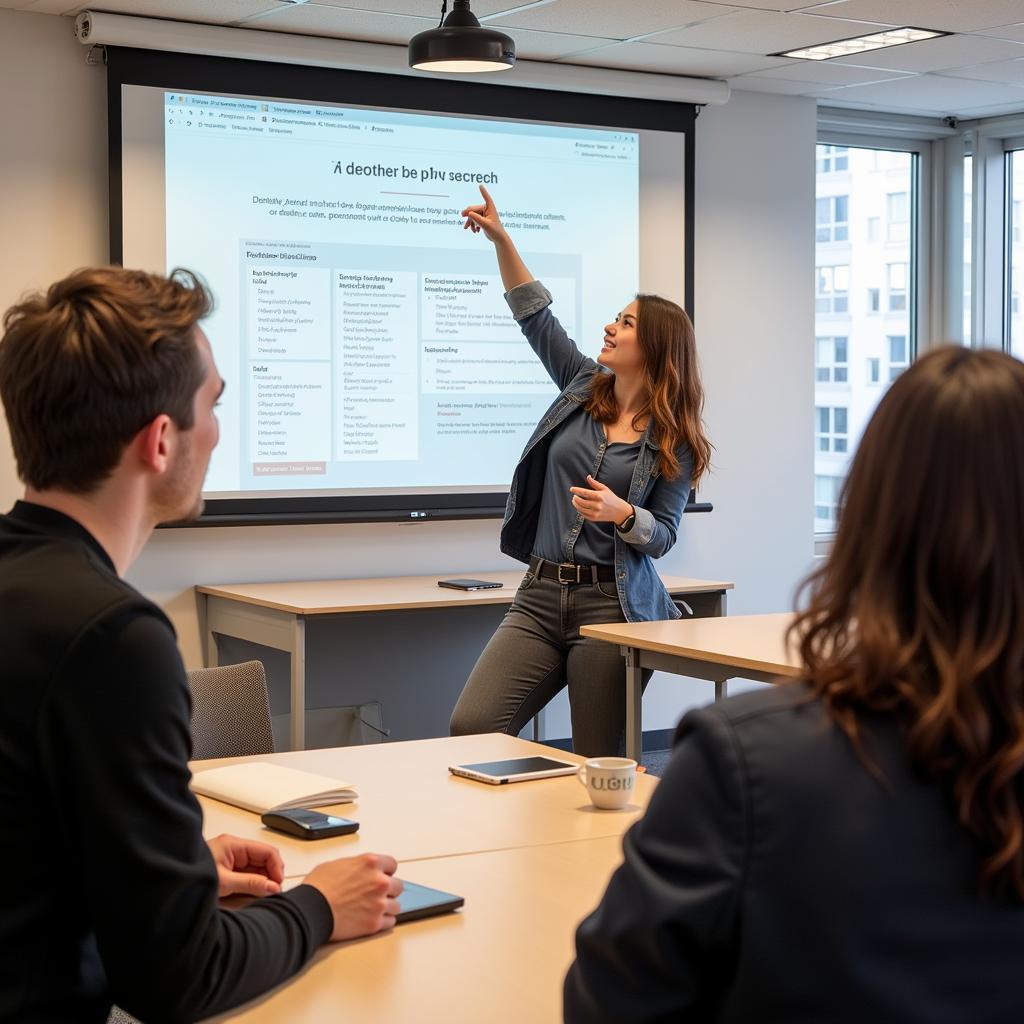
<point>428,95</point>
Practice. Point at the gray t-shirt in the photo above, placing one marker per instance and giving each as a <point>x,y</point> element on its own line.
<point>579,447</point>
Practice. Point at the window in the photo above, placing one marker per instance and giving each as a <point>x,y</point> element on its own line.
<point>968,204</point>
<point>826,501</point>
<point>1015,253</point>
<point>897,216</point>
<point>832,290</point>
<point>833,220</point>
<point>831,429</point>
<point>896,279</point>
<point>897,355</point>
<point>832,158</point>
<point>853,356</point>
<point>830,365</point>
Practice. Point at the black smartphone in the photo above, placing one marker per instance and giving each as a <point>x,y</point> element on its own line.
<point>308,824</point>
<point>421,901</point>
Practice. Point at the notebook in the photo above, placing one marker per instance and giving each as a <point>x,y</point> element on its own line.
<point>261,787</point>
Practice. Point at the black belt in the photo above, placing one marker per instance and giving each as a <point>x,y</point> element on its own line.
<point>568,572</point>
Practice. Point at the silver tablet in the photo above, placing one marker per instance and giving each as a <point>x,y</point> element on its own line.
<point>515,769</point>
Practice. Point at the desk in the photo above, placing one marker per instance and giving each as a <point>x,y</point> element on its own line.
<point>275,614</point>
<point>501,959</point>
<point>411,807</point>
<point>748,646</point>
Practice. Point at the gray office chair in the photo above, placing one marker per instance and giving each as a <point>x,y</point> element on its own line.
<point>230,711</point>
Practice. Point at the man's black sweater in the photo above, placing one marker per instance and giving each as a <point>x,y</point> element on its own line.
<point>109,892</point>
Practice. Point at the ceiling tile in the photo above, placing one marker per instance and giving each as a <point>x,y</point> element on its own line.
<point>946,15</point>
<point>751,83</point>
<point>13,4</point>
<point>613,19</point>
<point>827,72</point>
<point>1008,71</point>
<point>771,5</point>
<point>1015,33</point>
<point>223,12</point>
<point>933,94</point>
<point>343,23</point>
<point>764,32</point>
<point>936,54</point>
<point>416,8</point>
<point>674,60</point>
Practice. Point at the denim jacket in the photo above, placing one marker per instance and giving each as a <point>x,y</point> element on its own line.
<point>658,503</point>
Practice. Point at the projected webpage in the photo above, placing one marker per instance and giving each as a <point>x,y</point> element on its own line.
<point>363,334</point>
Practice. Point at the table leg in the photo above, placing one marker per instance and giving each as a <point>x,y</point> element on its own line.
<point>634,695</point>
<point>207,638</point>
<point>298,695</point>
<point>721,688</point>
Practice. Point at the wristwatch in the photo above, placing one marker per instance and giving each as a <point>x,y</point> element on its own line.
<point>627,524</point>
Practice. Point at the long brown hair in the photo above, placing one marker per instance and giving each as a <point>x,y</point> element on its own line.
<point>85,365</point>
<point>919,610</point>
<point>672,378</point>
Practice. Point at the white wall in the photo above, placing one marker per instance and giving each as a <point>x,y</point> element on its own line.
<point>754,314</point>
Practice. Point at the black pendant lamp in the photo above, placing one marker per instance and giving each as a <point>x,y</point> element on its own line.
<point>461,45</point>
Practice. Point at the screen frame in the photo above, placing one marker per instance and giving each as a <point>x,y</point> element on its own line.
<point>196,73</point>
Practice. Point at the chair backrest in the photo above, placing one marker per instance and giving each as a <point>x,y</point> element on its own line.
<point>230,711</point>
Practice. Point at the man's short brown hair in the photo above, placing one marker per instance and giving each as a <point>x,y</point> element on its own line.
<point>85,366</point>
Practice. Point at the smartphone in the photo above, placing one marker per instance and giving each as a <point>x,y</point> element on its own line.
<point>308,824</point>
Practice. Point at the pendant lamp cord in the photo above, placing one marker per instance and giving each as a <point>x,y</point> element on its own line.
<point>444,11</point>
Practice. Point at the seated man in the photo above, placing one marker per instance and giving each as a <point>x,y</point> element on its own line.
<point>109,891</point>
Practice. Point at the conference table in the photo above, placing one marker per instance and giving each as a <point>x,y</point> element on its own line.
<point>531,860</point>
<point>275,614</point>
<point>716,649</point>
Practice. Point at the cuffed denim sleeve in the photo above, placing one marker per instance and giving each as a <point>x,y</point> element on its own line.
<point>526,299</point>
<point>656,526</point>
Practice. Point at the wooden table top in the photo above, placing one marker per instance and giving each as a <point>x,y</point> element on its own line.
<point>413,808</point>
<point>500,959</point>
<point>740,641</point>
<point>331,597</point>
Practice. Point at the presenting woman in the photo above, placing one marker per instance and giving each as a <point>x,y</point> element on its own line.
<point>596,495</point>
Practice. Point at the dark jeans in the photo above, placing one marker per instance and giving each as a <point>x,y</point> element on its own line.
<point>536,651</point>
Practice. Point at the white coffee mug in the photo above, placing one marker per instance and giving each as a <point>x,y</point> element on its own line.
<point>609,781</point>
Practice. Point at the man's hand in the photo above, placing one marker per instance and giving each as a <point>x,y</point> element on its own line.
<point>246,867</point>
<point>598,504</point>
<point>362,891</point>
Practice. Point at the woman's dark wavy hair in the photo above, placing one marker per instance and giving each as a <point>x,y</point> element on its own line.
<point>919,610</point>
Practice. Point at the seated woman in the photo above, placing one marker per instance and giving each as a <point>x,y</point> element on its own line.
<point>851,848</point>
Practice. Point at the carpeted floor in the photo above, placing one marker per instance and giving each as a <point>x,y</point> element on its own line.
<point>655,761</point>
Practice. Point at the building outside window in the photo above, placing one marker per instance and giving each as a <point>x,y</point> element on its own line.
<point>831,429</point>
<point>898,355</point>
<point>854,354</point>
<point>833,218</point>
<point>831,159</point>
<point>832,289</point>
<point>830,366</point>
<point>826,501</point>
<point>896,282</point>
<point>897,216</point>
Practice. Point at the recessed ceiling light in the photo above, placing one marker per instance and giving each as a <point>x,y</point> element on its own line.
<point>861,44</point>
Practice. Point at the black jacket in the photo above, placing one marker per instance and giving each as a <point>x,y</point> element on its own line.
<point>773,880</point>
<point>108,891</point>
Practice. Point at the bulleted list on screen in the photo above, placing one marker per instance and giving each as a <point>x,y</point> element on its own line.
<point>350,364</point>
